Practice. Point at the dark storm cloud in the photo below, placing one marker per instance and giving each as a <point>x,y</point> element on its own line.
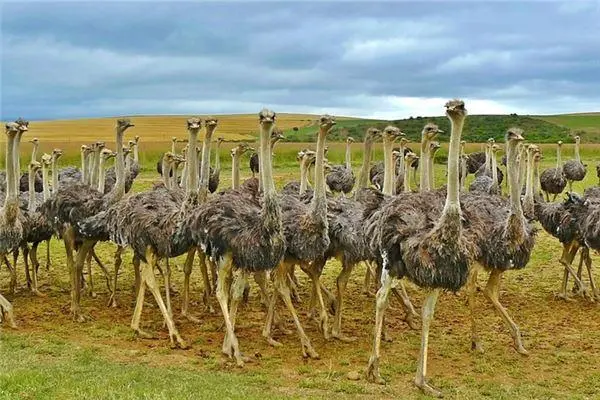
<point>388,59</point>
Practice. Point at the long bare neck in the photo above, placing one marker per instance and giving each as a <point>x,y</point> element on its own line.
<point>166,172</point>
<point>87,169</point>
<point>558,160</point>
<point>184,176</point>
<point>173,147</point>
<point>128,161</point>
<point>174,177</point>
<point>118,190</point>
<point>191,164</point>
<point>424,170</point>
<point>205,166</point>
<point>303,176</point>
<point>265,166</point>
<point>401,162</point>
<point>488,164</point>
<point>94,167</point>
<point>218,157</point>
<point>348,155</point>
<point>17,160</point>
<point>31,206</point>
<point>389,170</point>
<point>536,177</point>
<point>577,158</point>
<point>235,171</point>
<point>430,171</point>
<point>318,201</point>
<point>495,168</point>
<point>363,180</point>
<point>101,175</point>
<point>406,183</point>
<point>54,175</point>
<point>11,202</point>
<point>46,189</point>
<point>34,152</point>
<point>136,154</point>
<point>522,165</point>
<point>83,168</point>
<point>463,172</point>
<point>452,205</point>
<point>528,200</point>
<point>513,177</point>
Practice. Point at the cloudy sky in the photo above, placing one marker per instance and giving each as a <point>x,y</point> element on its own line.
<point>385,59</point>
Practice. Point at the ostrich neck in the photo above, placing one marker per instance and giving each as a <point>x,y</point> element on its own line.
<point>529,182</point>
<point>205,166</point>
<point>495,168</point>
<point>94,167</point>
<point>184,176</point>
<point>34,152</point>
<point>31,206</point>
<point>401,161</point>
<point>218,157</point>
<point>101,175</point>
<point>128,162</point>
<point>87,169</point>
<point>513,177</point>
<point>191,165</point>
<point>235,171</point>
<point>487,159</point>
<point>522,168</point>
<point>83,168</point>
<point>558,160</point>
<point>424,173</point>
<point>271,210</point>
<point>389,169</point>
<point>452,205</point>
<point>348,155</point>
<point>11,205</point>
<point>166,173</point>
<point>54,175</point>
<point>363,180</point>
<point>173,147</point>
<point>118,190</point>
<point>463,173</point>
<point>303,176</point>
<point>319,202</point>
<point>406,175</point>
<point>536,177</point>
<point>577,158</point>
<point>17,160</point>
<point>136,154</point>
<point>174,177</point>
<point>430,172</point>
<point>45,182</point>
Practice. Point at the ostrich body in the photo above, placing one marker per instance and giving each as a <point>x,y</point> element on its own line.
<point>11,225</point>
<point>507,241</point>
<point>574,170</point>
<point>241,235</point>
<point>427,241</point>
<point>341,178</point>
<point>305,228</point>
<point>553,180</point>
<point>276,136</point>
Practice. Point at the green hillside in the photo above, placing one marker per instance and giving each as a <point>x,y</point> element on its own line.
<point>586,125</point>
<point>478,128</point>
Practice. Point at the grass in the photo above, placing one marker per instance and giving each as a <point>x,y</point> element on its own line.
<point>587,125</point>
<point>50,356</point>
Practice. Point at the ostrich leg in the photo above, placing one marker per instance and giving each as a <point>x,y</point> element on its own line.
<point>7,312</point>
<point>427,316</point>
<point>25,250</point>
<point>471,292</point>
<point>382,303</point>
<point>187,270</point>
<point>167,280</point>
<point>313,270</point>
<point>588,265</point>
<point>112,300</point>
<point>12,268</point>
<point>102,267</point>
<point>568,254</point>
<point>342,281</point>
<point>233,347</point>
<point>48,261</point>
<point>367,280</point>
<point>34,268</point>
<point>492,292</point>
<point>90,286</point>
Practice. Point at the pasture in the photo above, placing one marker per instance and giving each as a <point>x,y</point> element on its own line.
<point>50,356</point>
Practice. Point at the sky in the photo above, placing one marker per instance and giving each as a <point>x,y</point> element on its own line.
<point>385,60</point>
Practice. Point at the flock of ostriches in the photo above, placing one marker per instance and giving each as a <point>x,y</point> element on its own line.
<point>437,238</point>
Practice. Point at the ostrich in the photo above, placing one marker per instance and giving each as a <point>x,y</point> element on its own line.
<point>213,181</point>
<point>507,241</point>
<point>236,153</point>
<point>553,180</point>
<point>105,155</point>
<point>574,170</point>
<point>241,234</point>
<point>409,159</point>
<point>11,225</point>
<point>486,178</point>
<point>428,243</point>
<point>428,134</point>
<point>159,166</point>
<point>433,148</point>
<point>24,181</point>
<point>71,204</point>
<point>341,178</point>
<point>305,227</point>
<point>276,136</point>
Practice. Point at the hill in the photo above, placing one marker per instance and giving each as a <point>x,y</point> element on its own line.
<point>586,125</point>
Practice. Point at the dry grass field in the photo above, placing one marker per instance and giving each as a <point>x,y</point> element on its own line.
<point>49,356</point>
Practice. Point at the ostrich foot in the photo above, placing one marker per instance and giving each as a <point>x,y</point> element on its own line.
<point>324,326</point>
<point>178,342</point>
<point>410,321</point>
<point>232,351</point>
<point>144,335</point>
<point>562,296</point>
<point>307,349</point>
<point>476,346</point>
<point>520,348</point>
<point>426,388</point>
<point>372,373</point>
<point>80,316</point>
<point>112,301</point>
<point>343,338</point>
<point>191,318</point>
<point>273,342</point>
<point>38,293</point>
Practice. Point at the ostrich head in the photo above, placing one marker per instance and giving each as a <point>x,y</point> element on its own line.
<point>220,140</point>
<point>392,133</point>
<point>559,143</point>
<point>211,122</point>
<point>126,150</point>
<point>241,149</point>
<point>515,134</point>
<point>194,123</point>
<point>100,145</point>
<point>136,139</point>
<point>455,109</point>
<point>326,166</point>
<point>87,149</point>
<point>372,134</point>
<point>35,166</point>
<point>11,129</point>
<point>168,157</point>
<point>349,139</point>
<point>35,141</point>
<point>396,156</point>
<point>174,139</point>
<point>577,139</point>
<point>307,156</point>
<point>57,153</point>
<point>123,124</point>
<point>430,131</point>
<point>410,158</point>
<point>403,141</point>
<point>107,153</point>
<point>434,147</point>
<point>130,145</point>
<point>23,125</point>
<point>276,135</point>
<point>326,123</point>
<point>46,159</point>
